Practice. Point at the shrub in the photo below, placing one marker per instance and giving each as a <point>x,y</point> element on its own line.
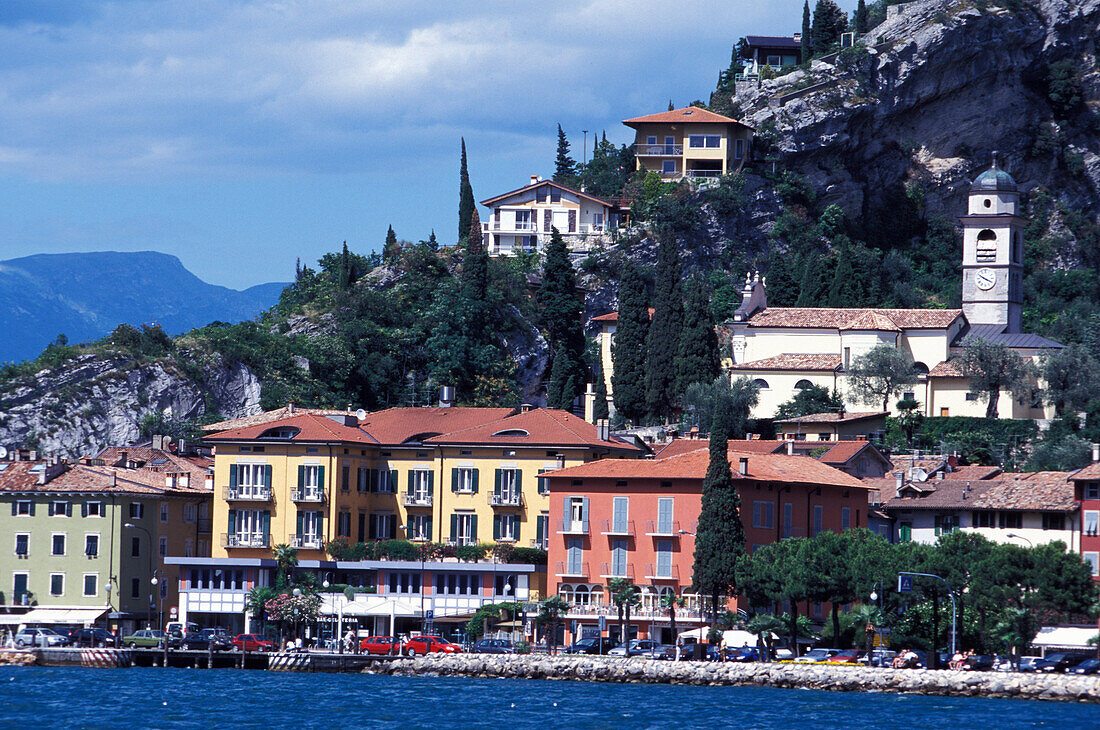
<point>527,556</point>
<point>472,552</point>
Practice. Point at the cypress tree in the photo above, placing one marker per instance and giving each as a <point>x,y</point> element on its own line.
<point>629,348</point>
<point>344,276</point>
<point>697,360</point>
<point>565,167</point>
<point>389,249</point>
<point>600,408</point>
<point>557,380</point>
<point>671,107</point>
<point>475,265</point>
<point>783,281</point>
<point>720,535</point>
<point>466,207</point>
<point>561,315</point>
<point>663,342</point>
<point>861,18</point>
<point>807,47</point>
<point>814,285</point>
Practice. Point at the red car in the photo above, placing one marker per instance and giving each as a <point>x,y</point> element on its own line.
<point>380,645</point>
<point>851,656</point>
<point>429,645</point>
<point>251,642</point>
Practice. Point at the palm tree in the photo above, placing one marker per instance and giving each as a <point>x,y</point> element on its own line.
<point>670,602</point>
<point>764,625</point>
<point>286,557</point>
<point>550,613</point>
<point>625,595</point>
<point>870,618</point>
<point>255,601</point>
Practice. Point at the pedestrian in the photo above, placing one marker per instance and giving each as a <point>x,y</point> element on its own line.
<point>679,647</point>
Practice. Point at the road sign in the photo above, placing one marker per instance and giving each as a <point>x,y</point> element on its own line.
<point>905,583</point>
<point>603,623</point>
<point>429,614</point>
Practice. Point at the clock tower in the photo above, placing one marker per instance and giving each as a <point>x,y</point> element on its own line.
<point>993,252</point>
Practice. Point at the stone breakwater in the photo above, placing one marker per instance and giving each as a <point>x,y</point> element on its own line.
<point>1065,687</point>
<point>17,658</point>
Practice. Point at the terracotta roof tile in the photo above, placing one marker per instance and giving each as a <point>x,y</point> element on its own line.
<point>310,427</point>
<point>22,477</point>
<point>1092,471</point>
<point>938,494</point>
<point>826,318</point>
<point>975,473</point>
<point>537,427</point>
<point>793,361</point>
<point>833,417</point>
<point>614,316</point>
<point>871,319</point>
<point>395,426</point>
<point>946,369</point>
<point>844,451</point>
<point>685,115</point>
<point>266,417</point>
<point>1038,492</point>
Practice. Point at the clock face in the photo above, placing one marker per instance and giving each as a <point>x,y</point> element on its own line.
<point>985,279</point>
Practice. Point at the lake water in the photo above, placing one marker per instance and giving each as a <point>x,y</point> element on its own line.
<point>43,697</point>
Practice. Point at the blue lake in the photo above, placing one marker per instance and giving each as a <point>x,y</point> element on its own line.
<point>181,698</point>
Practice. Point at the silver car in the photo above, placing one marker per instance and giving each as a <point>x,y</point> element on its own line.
<point>39,637</point>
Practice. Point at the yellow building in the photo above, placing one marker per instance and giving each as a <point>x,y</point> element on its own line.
<point>449,475</point>
<point>690,143</point>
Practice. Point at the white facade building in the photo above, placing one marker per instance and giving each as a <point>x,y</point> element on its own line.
<point>522,220</point>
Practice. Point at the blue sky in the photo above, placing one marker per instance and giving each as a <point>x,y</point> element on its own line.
<point>240,136</point>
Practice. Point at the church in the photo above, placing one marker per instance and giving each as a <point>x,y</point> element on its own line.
<point>785,349</point>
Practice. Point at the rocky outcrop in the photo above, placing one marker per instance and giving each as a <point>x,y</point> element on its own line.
<point>1066,687</point>
<point>92,402</point>
<point>11,657</point>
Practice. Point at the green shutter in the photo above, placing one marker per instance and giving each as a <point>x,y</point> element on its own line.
<point>13,508</point>
<point>409,486</point>
<point>454,528</point>
<point>267,526</point>
<point>49,508</point>
<point>496,483</point>
<point>496,527</point>
<point>428,528</point>
<point>371,485</point>
<point>301,476</point>
<point>321,525</point>
<point>540,529</point>
<point>515,528</point>
<point>392,486</point>
<point>321,484</point>
<point>475,481</point>
<point>473,529</point>
<point>232,476</point>
<point>299,529</point>
<point>267,476</point>
<point>454,480</point>
<point>519,482</point>
<point>32,508</point>
<point>84,509</point>
<point>232,521</point>
<point>68,509</point>
<point>431,482</point>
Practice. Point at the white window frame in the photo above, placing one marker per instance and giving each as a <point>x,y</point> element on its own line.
<point>96,536</point>
<point>137,510</point>
<point>164,512</point>
<point>23,508</point>
<point>418,527</point>
<point>64,507</point>
<point>249,526</point>
<point>508,492</point>
<point>1090,523</point>
<point>420,481</point>
<point>669,167</point>
<point>15,547</point>
<point>84,584</point>
<point>62,577</point>
<point>508,525</point>
<point>98,509</point>
<point>250,478</point>
<point>1092,490</point>
<point>465,480</point>
<point>464,534</point>
<point>64,543</point>
<point>1092,558</point>
<point>189,547</point>
<point>311,526</point>
<point>190,512</point>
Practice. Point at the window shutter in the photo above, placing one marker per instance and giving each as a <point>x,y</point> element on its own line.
<point>14,509</point>
<point>267,476</point>
<point>475,481</point>
<point>473,529</point>
<point>496,484</point>
<point>321,478</point>
<point>771,515</point>
<point>410,488</point>
<point>584,513</point>
<point>300,520</point>
<point>84,509</point>
<point>392,486</point>
<point>321,525</point>
<point>431,483</point>
<point>232,522</point>
<point>428,529</point>
<point>547,220</point>
<point>454,528</point>
<point>372,532</point>
<point>32,508</point>
<point>49,508</point>
<point>515,528</point>
<point>301,476</point>
<point>393,527</point>
<point>454,480</point>
<point>267,526</point>
<point>68,509</point>
<point>519,482</point>
<point>540,529</point>
<point>664,515</point>
<point>232,476</point>
<point>496,527</point>
<point>566,514</point>
<point>572,221</point>
<point>619,514</point>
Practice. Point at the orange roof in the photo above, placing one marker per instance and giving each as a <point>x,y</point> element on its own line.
<point>890,320</point>
<point>1045,491</point>
<point>834,417</point>
<point>395,426</point>
<point>975,472</point>
<point>267,417</point>
<point>686,115</point>
<point>675,447</point>
<point>537,427</point>
<point>311,427</point>
<point>1092,471</point>
<point>844,451</point>
<point>794,361</point>
<point>22,476</point>
<point>693,465</point>
<point>614,316</point>
<point>946,369</point>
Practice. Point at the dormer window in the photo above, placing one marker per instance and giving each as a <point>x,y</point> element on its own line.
<point>511,433</point>
<point>281,432</point>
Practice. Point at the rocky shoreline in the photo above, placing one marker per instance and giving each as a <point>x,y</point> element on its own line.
<point>14,657</point>
<point>1061,687</point>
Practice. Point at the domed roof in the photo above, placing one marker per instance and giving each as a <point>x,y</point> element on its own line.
<point>992,180</point>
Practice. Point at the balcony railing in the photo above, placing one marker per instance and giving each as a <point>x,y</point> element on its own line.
<point>417,499</point>
<point>244,540</point>
<point>508,227</point>
<point>205,525</point>
<point>657,528</point>
<point>656,613</point>
<point>662,572</point>
<point>248,494</point>
<point>703,173</point>
<point>307,494</point>
<point>505,499</point>
<point>310,542</point>
<point>572,571</point>
<point>542,544</point>
<point>625,529</point>
<point>607,570</point>
<point>572,527</point>
<point>658,150</point>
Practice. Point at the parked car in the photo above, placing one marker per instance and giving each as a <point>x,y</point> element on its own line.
<point>493,646</point>
<point>429,645</point>
<point>783,654</point>
<point>743,654</point>
<point>660,651</point>
<point>878,658</point>
<point>251,642</point>
<point>39,637</point>
<point>592,645</point>
<point>817,655</point>
<point>848,656</point>
<point>636,647</point>
<point>1027,663</point>
<point>150,639</point>
<point>979,663</point>
<point>218,639</point>
<point>1089,666</point>
<point>379,645</point>
<point>1061,661</point>
<point>92,637</point>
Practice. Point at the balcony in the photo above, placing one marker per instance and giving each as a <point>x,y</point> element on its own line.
<point>572,571</point>
<point>607,571</point>
<point>622,529</point>
<point>307,494</point>
<point>244,540</point>
<point>703,174</point>
<point>253,493</point>
<point>506,499</point>
<point>416,499</point>
<point>658,150</point>
<point>659,528</point>
<point>542,544</point>
<point>685,615</point>
<point>520,227</point>
<point>309,542</point>
<point>662,572</point>
<point>572,527</point>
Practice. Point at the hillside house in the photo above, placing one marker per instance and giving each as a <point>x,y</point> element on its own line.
<point>690,143</point>
<point>521,220</point>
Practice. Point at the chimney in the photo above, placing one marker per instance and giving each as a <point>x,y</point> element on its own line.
<point>114,479</point>
<point>123,460</point>
<point>603,429</point>
<point>446,396</point>
<point>32,455</point>
<point>743,466</point>
<point>290,408</point>
<point>797,38</point>
<point>1095,453</point>
<point>158,441</point>
<point>534,179</point>
<point>941,475</point>
<point>790,448</point>
<point>899,480</point>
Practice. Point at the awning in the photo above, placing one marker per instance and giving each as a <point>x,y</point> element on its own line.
<point>82,616</point>
<point>1065,637</point>
<point>336,604</point>
<point>734,638</point>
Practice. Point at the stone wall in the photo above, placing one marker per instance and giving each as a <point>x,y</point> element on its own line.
<point>1066,687</point>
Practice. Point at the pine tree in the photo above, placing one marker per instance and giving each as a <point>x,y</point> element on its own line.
<point>861,18</point>
<point>389,249</point>
<point>697,360</point>
<point>565,167</point>
<point>629,349</point>
<point>432,243</point>
<point>720,535</point>
<point>807,42</point>
<point>842,290</point>
<point>829,22</point>
<point>344,275</point>
<point>600,408</point>
<point>663,342</point>
<point>466,207</point>
<point>561,316</point>
<point>475,265</point>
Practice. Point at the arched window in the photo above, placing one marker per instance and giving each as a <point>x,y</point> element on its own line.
<point>761,383</point>
<point>803,384</point>
<point>281,432</point>
<point>580,595</point>
<point>986,235</point>
<point>511,432</point>
<point>920,368</point>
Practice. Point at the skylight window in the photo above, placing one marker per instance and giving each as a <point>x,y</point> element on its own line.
<point>513,432</point>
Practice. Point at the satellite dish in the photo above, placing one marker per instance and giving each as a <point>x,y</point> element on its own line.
<point>3,452</point>
<point>360,414</point>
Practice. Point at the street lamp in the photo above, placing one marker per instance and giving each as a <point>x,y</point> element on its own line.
<point>1020,537</point>
<point>297,593</point>
<point>107,615</point>
<point>151,571</point>
<point>160,604</point>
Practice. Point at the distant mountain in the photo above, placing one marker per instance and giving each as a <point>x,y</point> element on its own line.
<point>86,295</point>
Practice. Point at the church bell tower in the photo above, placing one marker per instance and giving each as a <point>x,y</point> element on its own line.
<point>993,252</point>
